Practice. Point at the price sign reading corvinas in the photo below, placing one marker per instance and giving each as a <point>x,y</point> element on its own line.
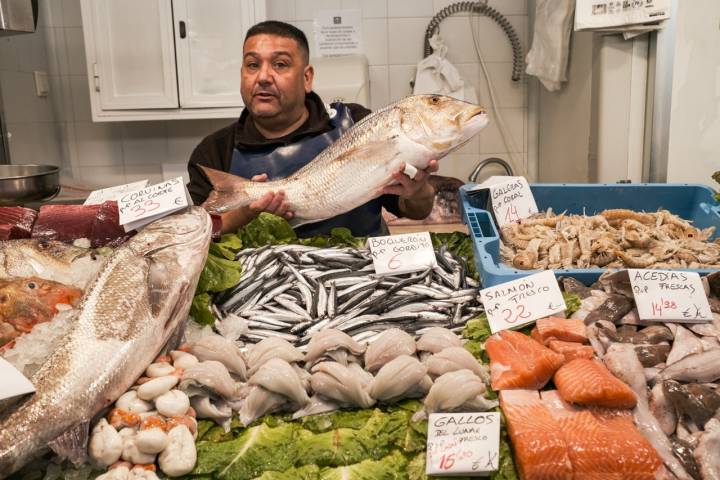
<point>463,443</point>
<point>397,254</point>
<point>670,296</point>
<point>141,207</point>
<point>516,303</point>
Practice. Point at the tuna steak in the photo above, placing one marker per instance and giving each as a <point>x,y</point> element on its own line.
<point>356,168</point>
<point>137,301</point>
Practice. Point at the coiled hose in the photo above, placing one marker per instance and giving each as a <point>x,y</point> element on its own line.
<point>484,9</point>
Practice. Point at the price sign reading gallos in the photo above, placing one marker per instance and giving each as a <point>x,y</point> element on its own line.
<point>513,304</point>
<point>463,443</point>
<point>398,254</point>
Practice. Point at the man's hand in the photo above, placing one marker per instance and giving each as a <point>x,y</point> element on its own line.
<point>271,202</point>
<point>416,194</point>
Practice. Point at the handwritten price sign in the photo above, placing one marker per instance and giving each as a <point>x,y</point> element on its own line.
<point>397,254</point>
<point>670,296</point>
<point>510,197</point>
<point>463,443</point>
<point>113,193</point>
<point>141,207</point>
<point>513,304</point>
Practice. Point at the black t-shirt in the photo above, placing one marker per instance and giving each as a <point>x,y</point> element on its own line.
<point>216,150</point>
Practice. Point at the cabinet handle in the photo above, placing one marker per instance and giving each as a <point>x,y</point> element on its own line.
<point>183,31</point>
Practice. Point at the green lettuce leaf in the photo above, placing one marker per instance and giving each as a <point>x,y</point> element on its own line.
<point>308,472</point>
<point>200,309</point>
<point>203,427</point>
<point>254,451</point>
<point>266,229</point>
<point>219,274</point>
<point>227,247</point>
<point>343,419</point>
<point>344,446</point>
<point>389,468</point>
<point>572,302</point>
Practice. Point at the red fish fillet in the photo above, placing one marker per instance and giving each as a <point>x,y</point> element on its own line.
<point>556,328</point>
<point>519,362</point>
<point>587,382</point>
<point>16,222</point>
<point>554,440</point>
<point>571,350</point>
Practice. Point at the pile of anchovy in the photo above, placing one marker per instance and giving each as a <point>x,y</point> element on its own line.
<point>293,291</point>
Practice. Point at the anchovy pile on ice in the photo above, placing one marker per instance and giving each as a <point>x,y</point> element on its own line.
<point>673,368</point>
<point>294,291</point>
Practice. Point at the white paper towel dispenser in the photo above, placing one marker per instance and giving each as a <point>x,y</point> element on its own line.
<point>345,79</point>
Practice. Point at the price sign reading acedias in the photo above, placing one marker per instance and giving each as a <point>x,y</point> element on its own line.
<point>463,443</point>
<point>513,304</point>
<point>397,254</point>
<point>670,296</point>
<point>141,207</point>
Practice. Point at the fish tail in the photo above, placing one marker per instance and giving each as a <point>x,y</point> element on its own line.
<point>229,191</point>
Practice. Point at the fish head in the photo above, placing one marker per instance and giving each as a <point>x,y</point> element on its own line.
<point>24,302</point>
<point>440,123</point>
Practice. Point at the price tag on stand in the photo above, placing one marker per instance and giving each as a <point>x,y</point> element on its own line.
<point>510,197</point>
<point>463,443</point>
<point>397,254</point>
<point>670,296</point>
<point>513,304</point>
<point>141,207</point>
<point>98,197</point>
<point>13,382</point>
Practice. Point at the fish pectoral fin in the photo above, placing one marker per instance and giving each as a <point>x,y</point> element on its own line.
<point>73,443</point>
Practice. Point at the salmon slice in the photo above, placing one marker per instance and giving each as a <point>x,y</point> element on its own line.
<point>540,452</point>
<point>571,350</point>
<point>603,443</point>
<point>557,328</point>
<point>555,440</point>
<point>587,382</point>
<point>519,362</point>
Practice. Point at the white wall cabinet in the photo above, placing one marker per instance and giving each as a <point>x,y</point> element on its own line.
<point>166,59</point>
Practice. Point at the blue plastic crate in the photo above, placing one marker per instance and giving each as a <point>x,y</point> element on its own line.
<point>691,202</point>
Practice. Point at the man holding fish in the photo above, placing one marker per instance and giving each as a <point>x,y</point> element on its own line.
<point>283,127</point>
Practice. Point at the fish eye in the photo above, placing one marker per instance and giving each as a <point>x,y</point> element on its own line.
<point>435,100</point>
<point>31,285</point>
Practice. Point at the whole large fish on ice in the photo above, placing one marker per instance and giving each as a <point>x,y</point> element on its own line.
<point>137,301</point>
<point>355,169</point>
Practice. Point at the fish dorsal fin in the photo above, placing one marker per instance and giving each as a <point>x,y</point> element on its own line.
<point>73,443</point>
<point>222,181</point>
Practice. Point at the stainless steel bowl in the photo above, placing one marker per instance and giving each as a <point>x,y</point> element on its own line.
<point>21,184</point>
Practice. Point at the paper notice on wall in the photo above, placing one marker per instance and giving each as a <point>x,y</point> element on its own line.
<point>601,14</point>
<point>338,32</point>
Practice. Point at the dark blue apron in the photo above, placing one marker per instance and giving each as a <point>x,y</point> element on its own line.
<point>281,162</point>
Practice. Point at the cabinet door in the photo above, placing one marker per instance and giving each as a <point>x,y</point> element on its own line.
<point>209,37</point>
<point>135,55</point>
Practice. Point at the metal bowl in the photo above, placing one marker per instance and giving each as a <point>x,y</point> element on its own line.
<point>21,184</point>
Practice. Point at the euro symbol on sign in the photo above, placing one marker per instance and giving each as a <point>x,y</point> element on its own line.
<point>178,201</point>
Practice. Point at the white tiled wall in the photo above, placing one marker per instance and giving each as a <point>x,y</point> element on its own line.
<point>58,129</point>
<point>393,34</point>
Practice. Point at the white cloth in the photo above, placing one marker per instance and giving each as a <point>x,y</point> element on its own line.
<point>548,56</point>
<point>435,74</point>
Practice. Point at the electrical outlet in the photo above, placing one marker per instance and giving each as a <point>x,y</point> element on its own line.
<point>41,83</point>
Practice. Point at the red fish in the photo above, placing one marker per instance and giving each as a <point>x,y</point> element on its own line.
<point>25,302</point>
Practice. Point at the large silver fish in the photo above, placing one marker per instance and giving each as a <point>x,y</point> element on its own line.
<point>355,169</point>
<point>138,300</point>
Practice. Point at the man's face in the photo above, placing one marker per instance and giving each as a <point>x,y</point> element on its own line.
<point>274,77</point>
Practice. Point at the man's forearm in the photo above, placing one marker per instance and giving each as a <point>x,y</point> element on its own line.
<point>233,220</point>
<point>418,206</point>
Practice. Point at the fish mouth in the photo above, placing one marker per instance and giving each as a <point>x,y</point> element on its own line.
<point>474,113</point>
